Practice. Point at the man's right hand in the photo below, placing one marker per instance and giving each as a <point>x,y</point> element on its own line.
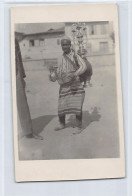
<point>52,77</point>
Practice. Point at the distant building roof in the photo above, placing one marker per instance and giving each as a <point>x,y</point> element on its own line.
<point>19,35</point>
<point>90,22</point>
<point>34,28</point>
<point>50,31</point>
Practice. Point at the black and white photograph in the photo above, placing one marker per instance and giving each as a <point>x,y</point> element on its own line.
<point>66,91</point>
<point>67,102</point>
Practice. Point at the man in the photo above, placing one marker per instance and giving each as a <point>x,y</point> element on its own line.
<point>71,94</point>
<point>22,105</point>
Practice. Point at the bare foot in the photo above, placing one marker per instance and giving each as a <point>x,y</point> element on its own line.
<point>60,127</point>
<point>38,137</point>
<point>78,130</point>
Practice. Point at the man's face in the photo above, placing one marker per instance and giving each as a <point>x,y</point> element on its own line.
<point>66,46</point>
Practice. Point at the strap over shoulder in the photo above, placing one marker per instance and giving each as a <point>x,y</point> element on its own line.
<point>75,64</point>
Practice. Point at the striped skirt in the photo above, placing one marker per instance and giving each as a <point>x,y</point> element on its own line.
<point>71,98</point>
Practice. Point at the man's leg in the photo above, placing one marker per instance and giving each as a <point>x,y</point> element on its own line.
<point>79,120</point>
<point>78,124</point>
<point>62,123</point>
<point>62,120</point>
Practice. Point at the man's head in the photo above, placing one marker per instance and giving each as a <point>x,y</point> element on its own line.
<point>66,44</point>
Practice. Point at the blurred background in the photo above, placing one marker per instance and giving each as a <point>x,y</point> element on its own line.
<point>41,42</point>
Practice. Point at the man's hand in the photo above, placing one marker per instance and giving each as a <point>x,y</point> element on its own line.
<point>52,77</point>
<point>82,53</point>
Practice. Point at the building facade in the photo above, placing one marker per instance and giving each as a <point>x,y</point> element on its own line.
<point>44,45</point>
<point>99,41</point>
<point>47,45</point>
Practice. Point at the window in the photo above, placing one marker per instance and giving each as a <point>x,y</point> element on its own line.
<point>31,43</point>
<point>41,42</point>
<point>58,41</point>
<point>104,47</point>
<point>36,43</point>
<point>92,29</point>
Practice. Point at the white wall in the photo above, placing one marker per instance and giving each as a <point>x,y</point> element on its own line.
<point>95,40</point>
<point>50,49</point>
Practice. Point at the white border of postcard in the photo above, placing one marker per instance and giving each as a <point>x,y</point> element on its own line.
<point>77,169</point>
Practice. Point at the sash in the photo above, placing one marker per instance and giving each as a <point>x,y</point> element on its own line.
<point>75,65</point>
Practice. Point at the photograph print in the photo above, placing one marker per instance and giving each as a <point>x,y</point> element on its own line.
<point>66,90</point>
<point>67,97</point>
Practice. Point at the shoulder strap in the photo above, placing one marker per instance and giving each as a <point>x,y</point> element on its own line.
<point>76,61</point>
<point>68,59</point>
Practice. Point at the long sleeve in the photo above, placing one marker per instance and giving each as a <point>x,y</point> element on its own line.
<point>82,66</point>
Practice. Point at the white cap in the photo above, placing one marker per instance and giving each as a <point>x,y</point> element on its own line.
<point>65,38</point>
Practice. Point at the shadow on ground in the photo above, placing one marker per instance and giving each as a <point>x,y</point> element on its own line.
<point>88,118</point>
<point>41,122</point>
